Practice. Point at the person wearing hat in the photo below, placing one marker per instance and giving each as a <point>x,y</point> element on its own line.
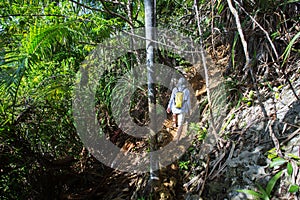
<point>180,113</point>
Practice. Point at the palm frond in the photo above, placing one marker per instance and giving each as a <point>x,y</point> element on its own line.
<point>38,45</point>
<point>42,40</point>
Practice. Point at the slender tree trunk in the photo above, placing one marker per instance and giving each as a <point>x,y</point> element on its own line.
<point>208,91</point>
<point>150,24</point>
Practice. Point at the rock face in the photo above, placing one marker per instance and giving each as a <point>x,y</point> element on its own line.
<point>249,164</point>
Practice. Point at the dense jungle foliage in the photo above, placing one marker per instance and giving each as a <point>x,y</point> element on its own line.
<point>43,44</point>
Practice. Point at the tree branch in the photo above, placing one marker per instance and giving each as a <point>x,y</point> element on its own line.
<point>273,47</point>
<point>265,32</point>
<point>115,14</point>
<point>106,10</point>
<point>247,64</point>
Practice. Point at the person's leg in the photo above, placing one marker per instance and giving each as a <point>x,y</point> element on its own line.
<point>180,125</point>
<point>174,120</point>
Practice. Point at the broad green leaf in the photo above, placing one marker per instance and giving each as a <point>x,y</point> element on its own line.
<point>264,193</point>
<point>251,94</point>
<point>277,162</point>
<point>272,153</point>
<point>294,156</point>
<point>289,47</point>
<point>272,182</point>
<point>251,192</point>
<point>289,169</point>
<point>294,188</point>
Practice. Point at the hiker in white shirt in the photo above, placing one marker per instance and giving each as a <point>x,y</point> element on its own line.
<point>179,114</point>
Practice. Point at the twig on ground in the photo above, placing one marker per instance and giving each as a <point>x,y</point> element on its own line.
<point>290,136</point>
<point>216,163</point>
<point>275,140</point>
<point>205,177</point>
<point>193,180</point>
<point>226,162</point>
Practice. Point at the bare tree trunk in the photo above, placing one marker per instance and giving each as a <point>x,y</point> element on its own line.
<point>150,28</point>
